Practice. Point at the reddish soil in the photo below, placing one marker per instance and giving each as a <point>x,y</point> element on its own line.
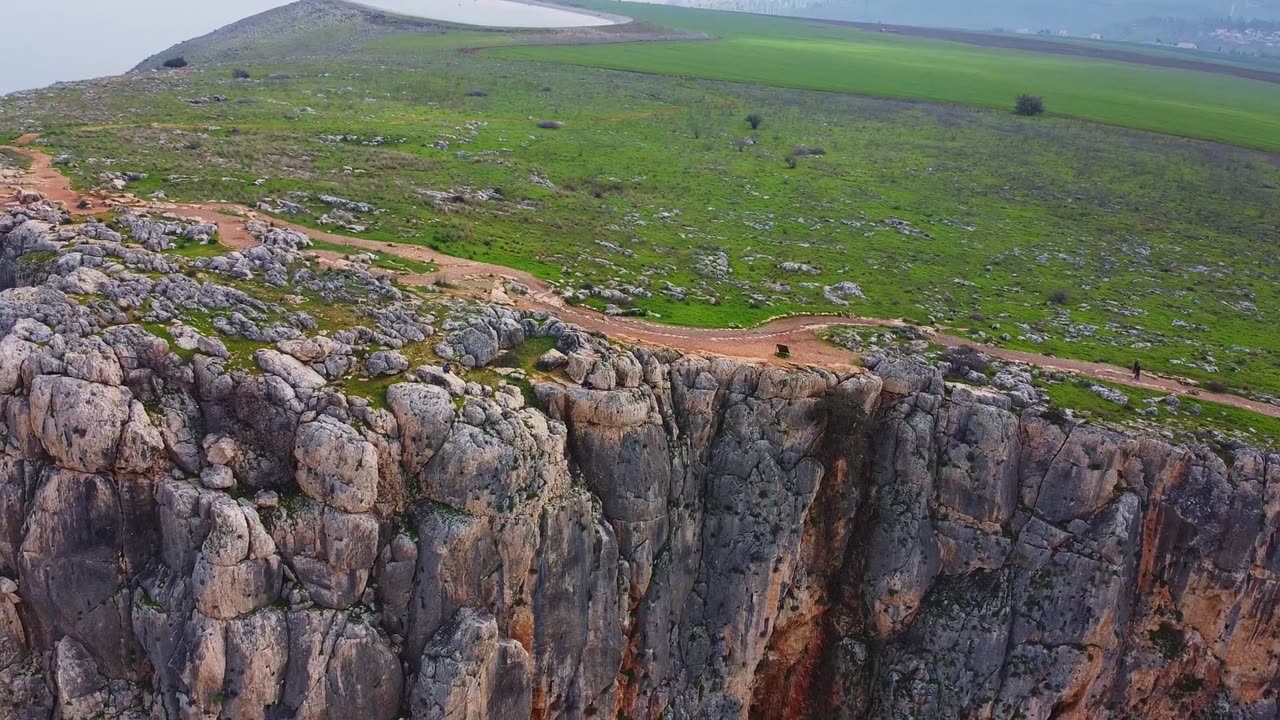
<point>486,282</point>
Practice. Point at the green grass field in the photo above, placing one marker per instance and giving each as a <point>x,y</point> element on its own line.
<point>811,55</point>
<point>1049,234</point>
<point>1191,415</point>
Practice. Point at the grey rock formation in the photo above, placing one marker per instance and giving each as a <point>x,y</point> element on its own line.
<point>468,672</point>
<point>385,362</point>
<point>336,466</point>
<point>656,536</point>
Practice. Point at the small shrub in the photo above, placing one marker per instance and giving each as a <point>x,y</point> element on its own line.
<point>1188,685</point>
<point>1057,416</point>
<point>240,74</point>
<point>754,120</point>
<point>792,162</point>
<point>1029,105</point>
<point>1169,640</point>
<point>176,62</point>
<point>477,93</point>
<point>550,124</point>
<point>1216,386</point>
<point>1059,297</point>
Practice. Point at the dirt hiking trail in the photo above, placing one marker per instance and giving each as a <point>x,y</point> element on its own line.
<point>484,281</point>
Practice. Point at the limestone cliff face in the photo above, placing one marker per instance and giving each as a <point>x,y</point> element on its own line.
<point>656,536</point>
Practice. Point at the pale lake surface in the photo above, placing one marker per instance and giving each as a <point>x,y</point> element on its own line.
<point>493,13</point>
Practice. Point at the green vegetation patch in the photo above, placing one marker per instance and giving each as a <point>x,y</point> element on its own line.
<point>162,332</point>
<point>12,158</point>
<point>375,389</point>
<point>1190,415</point>
<point>657,196</point>
<point>1169,640</point>
<point>812,55</point>
<point>192,250</point>
<point>384,260</point>
<point>525,355</point>
<point>1188,685</point>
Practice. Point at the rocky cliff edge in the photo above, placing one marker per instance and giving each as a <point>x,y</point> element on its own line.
<point>200,518</point>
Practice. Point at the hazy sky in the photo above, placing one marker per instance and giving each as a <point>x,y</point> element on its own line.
<point>75,39</point>
<point>56,40</point>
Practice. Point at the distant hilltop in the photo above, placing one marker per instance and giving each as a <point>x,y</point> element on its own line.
<point>291,30</point>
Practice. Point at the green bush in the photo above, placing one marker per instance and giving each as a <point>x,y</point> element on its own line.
<point>1029,105</point>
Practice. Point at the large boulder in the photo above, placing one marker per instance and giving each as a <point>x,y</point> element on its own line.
<point>495,466</point>
<point>336,466</point>
<point>469,672</point>
<point>385,362</point>
<point>79,423</point>
<point>331,552</point>
<point>289,369</point>
<point>238,570</point>
<point>425,415</point>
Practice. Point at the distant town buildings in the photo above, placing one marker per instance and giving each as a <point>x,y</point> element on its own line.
<point>1255,36</point>
<point>1224,35</point>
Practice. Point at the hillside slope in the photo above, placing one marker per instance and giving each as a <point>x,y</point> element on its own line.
<point>306,27</point>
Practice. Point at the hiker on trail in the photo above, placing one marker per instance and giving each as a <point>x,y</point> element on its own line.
<point>1137,370</point>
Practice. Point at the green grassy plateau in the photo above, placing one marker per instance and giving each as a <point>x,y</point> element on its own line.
<point>1050,234</point>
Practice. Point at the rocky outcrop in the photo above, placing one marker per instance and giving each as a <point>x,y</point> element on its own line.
<point>469,673</point>
<point>200,536</point>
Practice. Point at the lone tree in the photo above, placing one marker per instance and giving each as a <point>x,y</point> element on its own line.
<point>177,62</point>
<point>754,120</point>
<point>1029,105</point>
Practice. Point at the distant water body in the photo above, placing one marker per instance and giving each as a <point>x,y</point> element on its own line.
<point>495,13</point>
<point>79,39</point>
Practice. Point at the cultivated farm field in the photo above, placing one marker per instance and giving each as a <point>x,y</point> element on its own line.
<point>818,56</point>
